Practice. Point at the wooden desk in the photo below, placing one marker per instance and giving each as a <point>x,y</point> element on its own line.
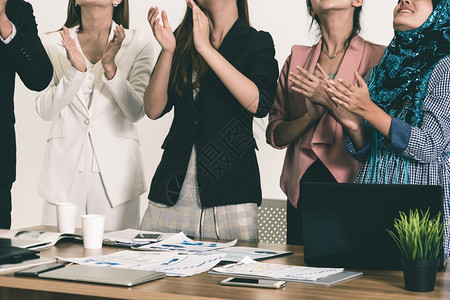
<point>372,285</point>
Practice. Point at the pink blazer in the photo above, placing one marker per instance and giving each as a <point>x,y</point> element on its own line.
<point>325,140</point>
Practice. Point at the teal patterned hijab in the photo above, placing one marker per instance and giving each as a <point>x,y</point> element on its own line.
<point>399,82</point>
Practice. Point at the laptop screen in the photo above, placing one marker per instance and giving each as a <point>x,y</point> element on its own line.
<point>345,224</point>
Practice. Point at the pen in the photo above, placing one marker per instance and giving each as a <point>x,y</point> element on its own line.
<point>232,265</point>
<point>265,252</point>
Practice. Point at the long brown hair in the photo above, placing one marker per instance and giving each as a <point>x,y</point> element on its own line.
<point>121,14</point>
<point>185,54</point>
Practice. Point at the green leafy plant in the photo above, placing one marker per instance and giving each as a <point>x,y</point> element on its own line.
<point>419,237</point>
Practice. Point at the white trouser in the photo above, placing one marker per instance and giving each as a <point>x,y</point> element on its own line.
<point>91,198</point>
<point>90,195</point>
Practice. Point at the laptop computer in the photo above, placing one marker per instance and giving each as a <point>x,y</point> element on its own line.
<point>344,224</point>
<point>104,275</point>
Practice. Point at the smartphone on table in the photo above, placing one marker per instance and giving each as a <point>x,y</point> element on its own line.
<point>254,282</point>
<point>36,270</point>
<point>147,237</point>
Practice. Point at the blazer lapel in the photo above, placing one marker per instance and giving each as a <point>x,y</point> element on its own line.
<point>98,85</point>
<point>351,60</point>
<point>125,43</point>
<point>313,57</point>
<point>326,128</point>
<point>98,70</point>
<point>230,47</point>
<point>234,40</point>
<point>324,132</point>
<point>309,64</point>
<point>80,96</point>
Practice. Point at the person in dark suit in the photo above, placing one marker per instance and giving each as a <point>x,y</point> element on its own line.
<point>218,73</point>
<point>21,52</point>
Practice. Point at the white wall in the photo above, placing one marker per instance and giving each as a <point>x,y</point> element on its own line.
<point>286,20</point>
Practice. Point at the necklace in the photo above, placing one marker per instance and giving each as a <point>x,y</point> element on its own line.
<point>334,55</point>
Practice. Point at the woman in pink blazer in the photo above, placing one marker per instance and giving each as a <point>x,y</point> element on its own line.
<point>303,118</point>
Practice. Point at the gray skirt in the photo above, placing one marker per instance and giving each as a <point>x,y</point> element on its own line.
<point>221,222</point>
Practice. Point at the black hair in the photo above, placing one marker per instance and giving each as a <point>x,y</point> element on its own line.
<point>435,3</point>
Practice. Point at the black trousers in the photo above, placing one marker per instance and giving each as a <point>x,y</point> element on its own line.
<point>317,172</point>
<point>5,206</point>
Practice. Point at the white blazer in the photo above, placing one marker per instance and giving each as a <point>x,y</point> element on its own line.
<point>109,121</point>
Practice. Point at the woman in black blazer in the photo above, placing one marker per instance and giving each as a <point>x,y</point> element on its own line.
<point>218,73</point>
<point>21,53</point>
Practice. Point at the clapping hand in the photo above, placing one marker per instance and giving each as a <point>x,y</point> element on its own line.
<point>73,54</point>
<point>346,118</point>
<point>162,33</point>
<point>316,111</point>
<point>354,98</point>
<point>111,50</point>
<point>311,86</point>
<point>201,29</point>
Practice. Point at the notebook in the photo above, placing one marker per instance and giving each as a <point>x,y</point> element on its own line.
<point>345,224</point>
<point>104,275</point>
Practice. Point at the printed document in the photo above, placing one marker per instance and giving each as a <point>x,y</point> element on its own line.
<point>252,269</point>
<point>172,263</point>
<point>182,244</point>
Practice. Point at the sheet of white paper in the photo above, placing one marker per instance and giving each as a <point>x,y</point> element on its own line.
<point>46,238</point>
<point>250,268</point>
<point>126,259</point>
<point>182,244</point>
<point>172,263</point>
<point>237,253</point>
<point>190,265</point>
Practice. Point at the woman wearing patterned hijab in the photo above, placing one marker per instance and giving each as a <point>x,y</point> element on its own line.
<point>405,138</point>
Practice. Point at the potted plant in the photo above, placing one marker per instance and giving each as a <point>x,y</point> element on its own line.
<point>420,240</point>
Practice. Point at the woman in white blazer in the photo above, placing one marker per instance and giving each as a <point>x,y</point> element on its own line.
<point>93,153</point>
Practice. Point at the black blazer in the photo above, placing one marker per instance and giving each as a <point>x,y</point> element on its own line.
<point>25,56</point>
<point>220,128</point>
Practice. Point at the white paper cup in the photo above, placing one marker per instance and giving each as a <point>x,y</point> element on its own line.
<point>92,252</point>
<point>92,231</point>
<point>66,213</point>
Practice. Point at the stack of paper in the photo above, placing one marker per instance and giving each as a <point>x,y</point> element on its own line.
<point>182,244</point>
<point>172,263</point>
<point>252,269</point>
<point>179,242</point>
